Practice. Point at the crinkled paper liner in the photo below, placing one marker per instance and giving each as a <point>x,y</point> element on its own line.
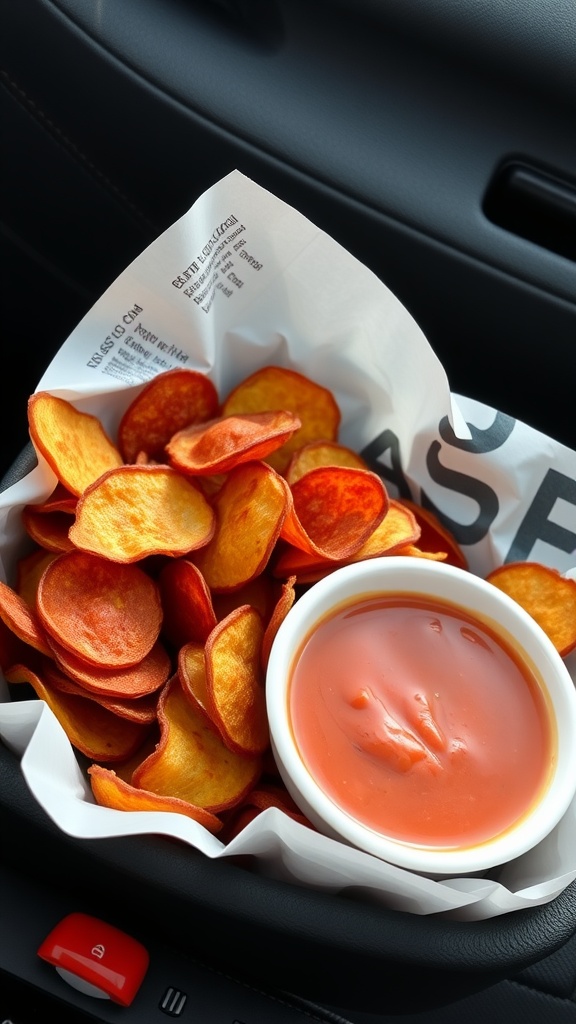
<point>303,302</point>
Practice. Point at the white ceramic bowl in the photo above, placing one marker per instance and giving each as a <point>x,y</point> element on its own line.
<point>487,604</point>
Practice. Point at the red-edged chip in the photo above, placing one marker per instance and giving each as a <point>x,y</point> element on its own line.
<point>187,603</point>
<point>224,443</point>
<point>166,404</point>
<point>22,620</point>
<point>107,613</point>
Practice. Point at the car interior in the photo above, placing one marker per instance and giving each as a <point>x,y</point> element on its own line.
<point>435,141</point>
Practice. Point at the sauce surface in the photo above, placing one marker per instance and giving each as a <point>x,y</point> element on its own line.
<point>420,721</point>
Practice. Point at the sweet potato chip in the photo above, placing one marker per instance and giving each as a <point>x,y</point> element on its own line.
<point>335,510</point>
<point>434,537</point>
<point>259,592</point>
<point>13,651</point>
<point>111,791</point>
<point>227,442</point>
<point>546,595</point>
<point>281,609</point>
<point>166,404</point>
<point>250,510</point>
<point>28,572</point>
<point>274,387</point>
<point>74,444</point>
<point>108,614</point>
<point>22,620</point>
<point>187,603</point>
<point>191,762</point>
<point>235,681</point>
<point>48,529</point>
<point>322,453</point>
<point>137,511</point>
<point>141,710</point>
<point>192,675</point>
<point>92,729</point>
<point>145,677</point>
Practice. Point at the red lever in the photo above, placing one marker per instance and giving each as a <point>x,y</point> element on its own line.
<point>93,955</point>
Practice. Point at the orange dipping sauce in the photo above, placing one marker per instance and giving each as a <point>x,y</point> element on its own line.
<point>420,721</point>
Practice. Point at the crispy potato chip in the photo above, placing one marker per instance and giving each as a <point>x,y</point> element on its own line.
<point>92,729</point>
<point>108,614</point>
<point>546,595</point>
<point>111,791</point>
<point>434,537</point>
<point>137,511</point>
<point>61,500</point>
<point>192,675</point>
<point>74,444</point>
<point>281,609</point>
<point>166,404</point>
<point>235,681</point>
<point>191,762</point>
<point>227,442</point>
<point>274,387</point>
<point>48,529</point>
<point>413,551</point>
<point>250,510</point>
<point>335,510</point>
<point>187,603</point>
<point>259,592</point>
<point>322,453</point>
<point>22,620</point>
<point>28,572</point>
<point>145,677</point>
<point>141,709</point>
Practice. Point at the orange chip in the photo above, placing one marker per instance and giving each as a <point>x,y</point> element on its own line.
<point>59,501</point>
<point>274,387</point>
<point>250,509</point>
<point>546,595</point>
<point>141,709</point>
<point>14,651</point>
<point>260,592</point>
<point>322,453</point>
<point>281,609</point>
<point>111,791</point>
<point>413,551</point>
<point>192,675</point>
<point>166,404</point>
<point>74,444</point>
<point>22,620</point>
<point>191,762</point>
<point>136,511</point>
<point>222,444</point>
<point>48,529</point>
<point>28,572</point>
<point>335,510</point>
<point>145,677</point>
<point>106,613</point>
<point>235,683</point>
<point>434,537</point>
<point>92,729</point>
<point>187,603</point>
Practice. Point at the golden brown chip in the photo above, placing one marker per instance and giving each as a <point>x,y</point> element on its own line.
<point>250,509</point>
<point>546,595</point>
<point>235,681</point>
<point>74,444</point>
<point>335,510</point>
<point>187,603</point>
<point>434,537</point>
<point>137,511</point>
<point>166,404</point>
<point>191,762</point>
<point>92,729</point>
<point>222,444</point>
<point>111,791</point>
<point>275,387</point>
<point>322,453</point>
<point>108,614</point>
<point>281,609</point>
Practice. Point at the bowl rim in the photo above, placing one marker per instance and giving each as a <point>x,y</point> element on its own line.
<point>411,575</point>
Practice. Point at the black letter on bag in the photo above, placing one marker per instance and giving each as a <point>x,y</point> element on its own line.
<point>536,525</point>
<point>385,441</point>
<point>481,442</point>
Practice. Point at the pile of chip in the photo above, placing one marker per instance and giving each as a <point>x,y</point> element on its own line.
<point>163,564</point>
